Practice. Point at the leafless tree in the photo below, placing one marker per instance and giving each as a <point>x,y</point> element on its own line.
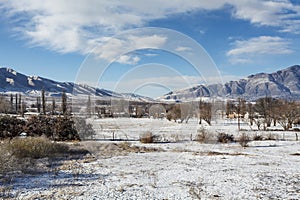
<point>205,112</point>
<point>288,114</point>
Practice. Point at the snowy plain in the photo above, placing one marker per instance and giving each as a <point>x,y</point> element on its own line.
<point>175,168</point>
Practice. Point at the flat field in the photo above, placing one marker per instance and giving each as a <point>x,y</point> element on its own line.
<point>175,167</point>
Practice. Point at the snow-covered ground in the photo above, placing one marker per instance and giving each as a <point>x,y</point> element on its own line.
<point>177,168</point>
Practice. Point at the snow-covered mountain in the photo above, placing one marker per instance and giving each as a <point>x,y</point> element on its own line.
<point>281,84</point>
<point>12,81</point>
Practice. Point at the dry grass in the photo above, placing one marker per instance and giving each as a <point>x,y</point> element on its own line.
<point>225,138</point>
<point>36,147</point>
<point>148,137</point>
<point>107,150</point>
<point>257,137</point>
<point>6,158</point>
<point>203,136</point>
<point>270,137</point>
<point>243,140</point>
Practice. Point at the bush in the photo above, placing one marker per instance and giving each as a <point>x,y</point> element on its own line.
<point>10,126</point>
<point>56,128</point>
<point>36,147</point>
<point>257,137</point>
<point>85,130</point>
<point>6,158</point>
<point>203,136</point>
<point>244,139</point>
<point>148,138</point>
<point>225,138</point>
<point>270,137</point>
<point>65,129</point>
<point>40,125</point>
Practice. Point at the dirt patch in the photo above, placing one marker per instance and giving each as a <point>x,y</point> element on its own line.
<point>295,154</point>
<point>215,153</point>
<point>116,149</point>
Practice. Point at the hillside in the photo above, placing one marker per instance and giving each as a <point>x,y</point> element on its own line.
<point>281,84</point>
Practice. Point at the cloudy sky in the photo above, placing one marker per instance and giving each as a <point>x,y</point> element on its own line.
<point>57,38</point>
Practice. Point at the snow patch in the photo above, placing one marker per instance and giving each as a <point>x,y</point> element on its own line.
<point>30,81</point>
<point>37,78</point>
<point>11,71</point>
<point>10,81</point>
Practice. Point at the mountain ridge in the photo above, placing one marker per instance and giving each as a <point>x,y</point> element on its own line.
<point>283,83</point>
<point>12,81</point>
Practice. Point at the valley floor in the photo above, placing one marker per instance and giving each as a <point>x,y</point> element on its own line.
<point>178,168</point>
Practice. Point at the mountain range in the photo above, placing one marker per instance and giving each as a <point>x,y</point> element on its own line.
<point>13,82</point>
<point>281,84</point>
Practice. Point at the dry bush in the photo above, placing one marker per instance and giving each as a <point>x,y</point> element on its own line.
<point>36,147</point>
<point>148,138</point>
<point>270,137</point>
<point>225,138</point>
<point>203,136</point>
<point>257,137</point>
<point>244,139</point>
<point>6,158</point>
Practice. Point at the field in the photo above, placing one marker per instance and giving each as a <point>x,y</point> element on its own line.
<point>175,167</point>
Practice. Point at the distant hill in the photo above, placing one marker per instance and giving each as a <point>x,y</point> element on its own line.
<point>12,81</point>
<point>281,84</point>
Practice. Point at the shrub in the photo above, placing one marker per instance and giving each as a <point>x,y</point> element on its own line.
<point>148,138</point>
<point>203,136</point>
<point>10,126</point>
<point>257,137</point>
<point>65,129</point>
<point>244,139</point>
<point>57,128</point>
<point>225,138</point>
<point>36,147</point>
<point>270,137</point>
<point>6,158</point>
<point>40,125</point>
<point>85,130</point>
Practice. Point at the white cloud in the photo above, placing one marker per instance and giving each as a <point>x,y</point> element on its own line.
<point>151,54</point>
<point>115,47</point>
<point>127,59</point>
<point>276,13</point>
<point>78,26</point>
<point>181,48</point>
<point>243,50</point>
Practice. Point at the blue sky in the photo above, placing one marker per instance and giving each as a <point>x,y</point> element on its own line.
<point>56,39</point>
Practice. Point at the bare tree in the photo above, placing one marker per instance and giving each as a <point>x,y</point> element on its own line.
<point>89,107</point>
<point>64,102</point>
<point>174,112</point>
<point>205,112</point>
<point>250,112</point>
<point>43,102</point>
<point>20,103</point>
<point>186,111</point>
<point>4,105</point>
<point>53,106</point>
<point>11,103</point>
<point>263,107</point>
<point>16,100</point>
<point>288,114</point>
<point>38,104</point>
<point>230,107</point>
